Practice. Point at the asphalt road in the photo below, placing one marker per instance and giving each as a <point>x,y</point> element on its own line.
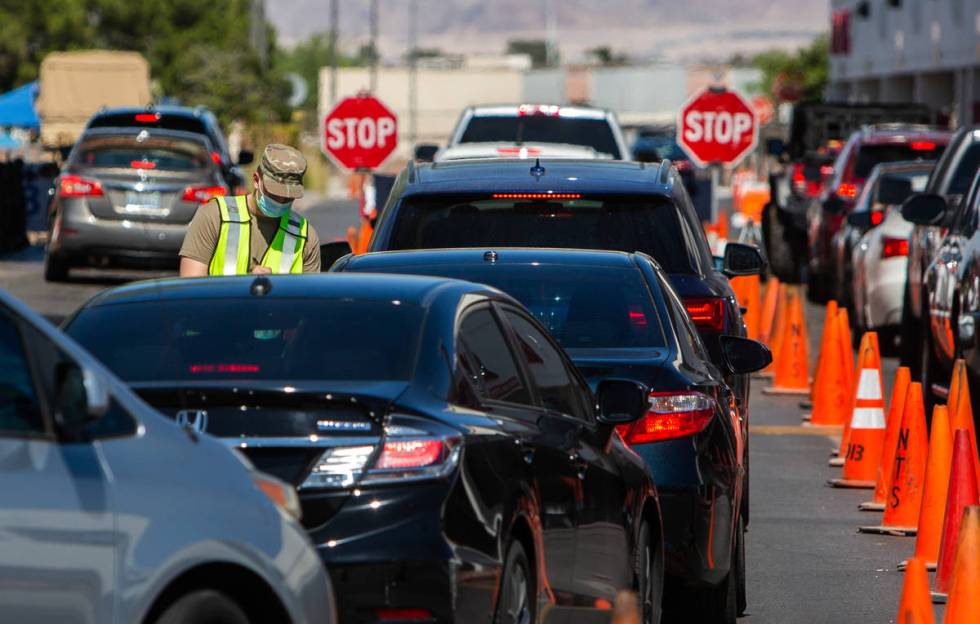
<point>806,562</point>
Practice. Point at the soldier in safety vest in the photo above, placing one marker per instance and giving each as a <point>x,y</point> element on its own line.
<point>257,233</point>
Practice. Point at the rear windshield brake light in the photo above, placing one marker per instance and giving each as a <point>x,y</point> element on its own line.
<point>923,146</point>
<point>147,117</point>
<point>537,196</point>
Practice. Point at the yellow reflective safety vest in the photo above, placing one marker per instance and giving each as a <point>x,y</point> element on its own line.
<point>233,252</point>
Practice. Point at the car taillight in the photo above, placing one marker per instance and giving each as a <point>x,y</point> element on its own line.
<point>922,146</point>
<point>799,179</point>
<point>891,247</point>
<point>203,194</point>
<point>409,454</point>
<point>707,313</point>
<point>670,415</point>
<point>216,158</point>
<point>847,191</point>
<point>77,186</point>
<point>142,164</point>
<point>404,615</point>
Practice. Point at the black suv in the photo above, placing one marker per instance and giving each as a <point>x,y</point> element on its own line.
<point>197,120</point>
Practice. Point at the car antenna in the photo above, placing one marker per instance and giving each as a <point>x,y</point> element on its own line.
<point>537,170</point>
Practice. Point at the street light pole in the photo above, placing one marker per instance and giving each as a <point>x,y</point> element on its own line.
<point>373,19</point>
<point>413,35</point>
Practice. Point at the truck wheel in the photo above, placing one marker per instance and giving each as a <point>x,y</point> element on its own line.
<point>203,607</point>
<point>785,258</point>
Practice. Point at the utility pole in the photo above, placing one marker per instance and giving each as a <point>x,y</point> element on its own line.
<point>413,37</point>
<point>333,52</point>
<point>257,34</point>
<point>551,33</point>
<point>373,19</point>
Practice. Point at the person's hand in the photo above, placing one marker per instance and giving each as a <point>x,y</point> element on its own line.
<point>261,270</point>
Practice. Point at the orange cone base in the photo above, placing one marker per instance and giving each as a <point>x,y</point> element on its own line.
<point>838,461</point>
<point>776,390</point>
<point>871,506</point>
<point>939,597</point>
<point>930,565</point>
<point>889,530</point>
<point>854,484</point>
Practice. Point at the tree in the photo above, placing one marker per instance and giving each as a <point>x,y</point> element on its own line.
<point>307,58</point>
<point>605,56</point>
<point>537,49</point>
<point>804,71</point>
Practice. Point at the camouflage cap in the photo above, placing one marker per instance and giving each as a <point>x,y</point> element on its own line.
<point>282,169</point>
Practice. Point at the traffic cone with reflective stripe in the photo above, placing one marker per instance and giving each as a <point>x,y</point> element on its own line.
<point>961,409</point>
<point>915,604</point>
<point>769,306</point>
<point>896,407</point>
<point>908,471</point>
<point>792,372</point>
<point>934,494</point>
<point>961,494</point>
<point>823,357</point>
<point>867,349</point>
<point>867,434</point>
<point>963,605</point>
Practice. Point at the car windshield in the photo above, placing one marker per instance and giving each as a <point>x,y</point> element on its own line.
<point>870,155</point>
<point>594,133</point>
<point>582,307</point>
<point>136,152</point>
<point>650,225</point>
<point>201,339</point>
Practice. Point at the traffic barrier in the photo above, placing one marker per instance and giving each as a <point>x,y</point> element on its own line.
<point>867,432</point>
<point>867,353</point>
<point>934,493</point>
<point>769,306</point>
<point>896,407</point>
<point>961,409</point>
<point>904,498</point>
<point>963,604</point>
<point>792,373</point>
<point>962,493</point>
<point>747,292</point>
<point>915,605</point>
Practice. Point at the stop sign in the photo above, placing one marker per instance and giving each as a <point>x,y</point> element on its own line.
<point>717,126</point>
<point>360,132</point>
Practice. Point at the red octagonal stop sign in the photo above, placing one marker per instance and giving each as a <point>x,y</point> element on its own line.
<point>360,132</point>
<point>717,126</point>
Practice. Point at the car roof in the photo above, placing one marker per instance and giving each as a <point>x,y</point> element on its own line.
<point>417,290</point>
<point>130,131</point>
<point>169,109</point>
<point>559,176</point>
<point>507,110</point>
<point>521,151</point>
<point>502,256</point>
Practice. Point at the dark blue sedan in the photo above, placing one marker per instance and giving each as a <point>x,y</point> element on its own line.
<point>617,316</point>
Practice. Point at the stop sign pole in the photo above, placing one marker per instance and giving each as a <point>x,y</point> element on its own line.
<point>717,127</point>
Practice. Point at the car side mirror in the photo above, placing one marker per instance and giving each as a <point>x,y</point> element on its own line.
<point>82,397</point>
<point>743,355</point>
<point>331,252</point>
<point>741,259</point>
<point>426,152</point>
<point>893,190</point>
<point>924,209</point>
<point>860,220</point>
<point>621,401</point>
<point>245,157</point>
<point>775,147</point>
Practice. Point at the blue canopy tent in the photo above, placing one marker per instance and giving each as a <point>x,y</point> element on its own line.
<point>17,107</point>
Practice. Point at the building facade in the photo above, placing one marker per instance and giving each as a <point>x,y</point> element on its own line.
<point>925,51</point>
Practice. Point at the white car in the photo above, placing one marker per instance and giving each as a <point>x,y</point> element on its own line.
<point>880,258</point>
<point>517,124</point>
<point>491,150</point>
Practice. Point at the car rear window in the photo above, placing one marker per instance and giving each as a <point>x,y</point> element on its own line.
<point>650,225</point>
<point>185,340</point>
<point>141,152</point>
<point>149,120</point>
<point>870,155</point>
<point>582,307</point>
<point>594,133</point>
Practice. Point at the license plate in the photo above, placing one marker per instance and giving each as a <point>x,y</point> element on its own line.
<point>142,203</point>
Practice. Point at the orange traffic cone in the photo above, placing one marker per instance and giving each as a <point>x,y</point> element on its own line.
<point>747,292</point>
<point>364,237</point>
<point>833,396</point>
<point>915,604</point>
<point>961,409</point>
<point>775,342</point>
<point>934,493</point>
<point>896,407</point>
<point>961,494</point>
<point>847,349</point>
<point>867,355</point>
<point>826,339</point>
<point>792,373</point>
<point>963,605</point>
<point>908,470</point>
<point>768,317</point>
<point>867,432</point>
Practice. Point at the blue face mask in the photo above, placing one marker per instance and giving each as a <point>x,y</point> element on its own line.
<point>271,208</point>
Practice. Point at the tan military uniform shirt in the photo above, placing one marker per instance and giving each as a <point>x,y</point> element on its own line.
<point>202,238</point>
